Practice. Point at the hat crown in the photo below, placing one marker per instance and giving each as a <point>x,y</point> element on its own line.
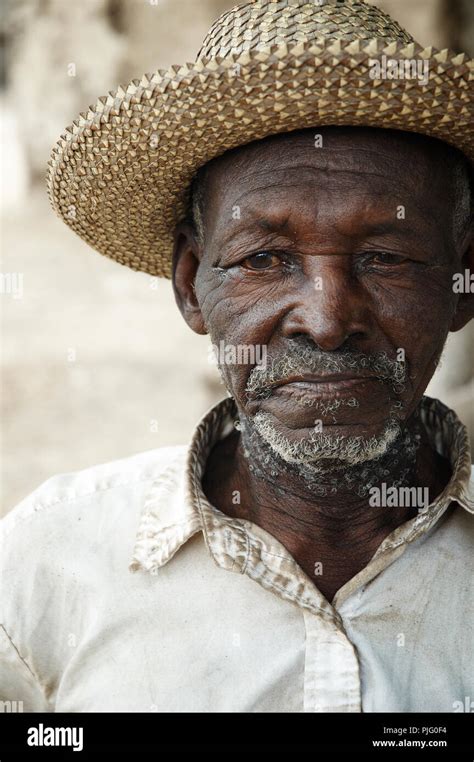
<point>262,23</point>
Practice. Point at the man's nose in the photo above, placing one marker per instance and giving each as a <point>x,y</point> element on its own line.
<point>331,306</point>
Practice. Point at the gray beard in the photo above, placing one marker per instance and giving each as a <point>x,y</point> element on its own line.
<point>328,465</point>
<point>327,462</point>
<point>319,446</point>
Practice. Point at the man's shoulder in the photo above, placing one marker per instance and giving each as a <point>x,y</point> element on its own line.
<point>68,495</point>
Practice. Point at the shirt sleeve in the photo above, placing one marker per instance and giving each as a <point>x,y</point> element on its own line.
<point>19,688</point>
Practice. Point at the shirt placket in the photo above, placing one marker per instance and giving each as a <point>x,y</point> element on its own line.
<point>331,668</point>
<point>331,675</point>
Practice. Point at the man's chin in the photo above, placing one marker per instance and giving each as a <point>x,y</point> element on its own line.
<point>337,442</point>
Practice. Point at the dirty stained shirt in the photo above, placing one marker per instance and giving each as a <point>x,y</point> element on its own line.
<point>123,589</point>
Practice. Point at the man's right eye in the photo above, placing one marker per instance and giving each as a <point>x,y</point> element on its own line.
<point>262,260</point>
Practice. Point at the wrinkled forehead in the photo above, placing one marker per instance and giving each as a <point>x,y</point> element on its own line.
<point>376,158</point>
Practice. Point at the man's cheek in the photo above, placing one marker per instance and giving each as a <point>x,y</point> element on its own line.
<point>232,321</point>
<point>420,317</point>
<point>413,287</point>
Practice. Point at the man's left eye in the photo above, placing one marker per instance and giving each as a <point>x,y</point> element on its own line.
<point>385,258</point>
<point>263,260</point>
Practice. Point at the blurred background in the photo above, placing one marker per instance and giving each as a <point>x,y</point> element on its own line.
<point>97,363</point>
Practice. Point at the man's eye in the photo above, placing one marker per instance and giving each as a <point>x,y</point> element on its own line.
<point>385,258</point>
<point>264,260</point>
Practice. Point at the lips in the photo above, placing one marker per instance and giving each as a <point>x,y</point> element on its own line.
<point>334,381</point>
<point>330,387</point>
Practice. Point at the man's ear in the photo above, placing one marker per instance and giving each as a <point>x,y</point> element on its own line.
<point>186,257</point>
<point>463,285</point>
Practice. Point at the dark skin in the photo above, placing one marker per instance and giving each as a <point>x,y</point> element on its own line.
<point>331,213</point>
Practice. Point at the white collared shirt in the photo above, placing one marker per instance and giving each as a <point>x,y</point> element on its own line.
<point>123,589</point>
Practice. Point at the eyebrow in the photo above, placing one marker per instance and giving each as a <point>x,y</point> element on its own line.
<point>270,226</point>
<point>280,226</point>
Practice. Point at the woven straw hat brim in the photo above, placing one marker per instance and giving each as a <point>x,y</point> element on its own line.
<point>120,175</point>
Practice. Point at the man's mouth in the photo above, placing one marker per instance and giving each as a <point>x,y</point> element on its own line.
<point>323,385</point>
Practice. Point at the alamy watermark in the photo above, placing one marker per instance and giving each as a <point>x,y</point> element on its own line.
<point>48,736</point>
<point>400,68</point>
<point>238,354</point>
<point>11,707</point>
<point>11,284</point>
<point>463,283</point>
<point>464,706</point>
<point>399,497</point>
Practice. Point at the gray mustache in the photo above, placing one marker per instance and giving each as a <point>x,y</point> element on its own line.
<point>300,361</point>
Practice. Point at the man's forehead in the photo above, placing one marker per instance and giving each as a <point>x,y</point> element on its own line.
<point>328,177</point>
<point>313,155</point>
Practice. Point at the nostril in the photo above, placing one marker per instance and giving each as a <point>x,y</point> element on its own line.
<point>303,339</point>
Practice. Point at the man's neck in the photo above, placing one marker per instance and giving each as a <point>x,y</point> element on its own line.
<point>331,525</point>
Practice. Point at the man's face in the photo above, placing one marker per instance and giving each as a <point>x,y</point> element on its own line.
<point>338,260</point>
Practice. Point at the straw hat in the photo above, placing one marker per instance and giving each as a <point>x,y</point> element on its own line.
<point>120,174</point>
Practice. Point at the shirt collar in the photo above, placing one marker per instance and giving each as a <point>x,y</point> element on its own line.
<point>176,508</point>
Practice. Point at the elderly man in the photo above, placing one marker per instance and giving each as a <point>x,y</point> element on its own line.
<point>311,549</point>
